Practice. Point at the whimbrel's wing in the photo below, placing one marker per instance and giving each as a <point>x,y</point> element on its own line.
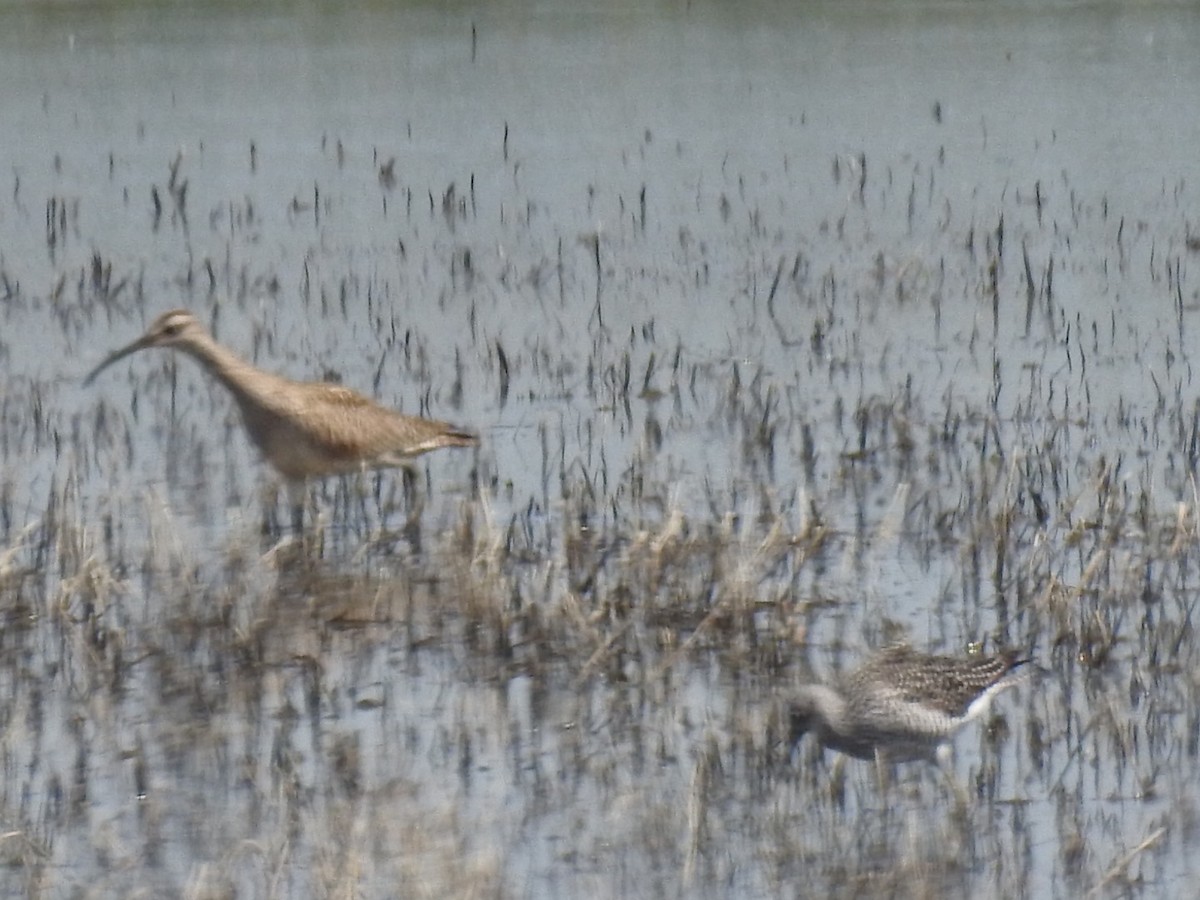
<point>358,430</point>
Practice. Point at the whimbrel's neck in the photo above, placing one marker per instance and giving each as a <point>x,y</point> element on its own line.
<point>243,380</point>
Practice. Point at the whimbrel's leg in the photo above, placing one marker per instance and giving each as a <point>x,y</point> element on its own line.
<point>297,494</point>
<point>408,482</point>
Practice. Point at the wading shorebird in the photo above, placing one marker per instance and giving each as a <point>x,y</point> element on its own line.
<point>901,705</point>
<point>304,429</point>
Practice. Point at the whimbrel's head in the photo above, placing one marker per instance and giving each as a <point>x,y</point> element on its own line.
<point>175,328</point>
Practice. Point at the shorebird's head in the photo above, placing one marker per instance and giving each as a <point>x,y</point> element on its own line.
<point>803,716</point>
<point>171,329</point>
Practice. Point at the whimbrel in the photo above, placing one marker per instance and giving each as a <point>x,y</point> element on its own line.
<point>902,705</point>
<point>304,429</point>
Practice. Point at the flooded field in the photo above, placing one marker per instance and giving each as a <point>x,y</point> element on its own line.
<point>788,333</point>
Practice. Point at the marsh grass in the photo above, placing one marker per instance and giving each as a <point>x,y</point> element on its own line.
<point>258,712</point>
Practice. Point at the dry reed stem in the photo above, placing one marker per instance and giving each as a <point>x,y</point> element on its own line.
<point>1125,861</point>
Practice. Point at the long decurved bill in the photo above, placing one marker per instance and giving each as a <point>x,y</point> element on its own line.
<point>140,344</point>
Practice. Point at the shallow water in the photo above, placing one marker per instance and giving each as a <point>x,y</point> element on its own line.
<point>787,331</point>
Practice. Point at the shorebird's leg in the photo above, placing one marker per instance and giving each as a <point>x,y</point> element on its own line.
<point>837,781</point>
<point>942,759</point>
<point>881,770</point>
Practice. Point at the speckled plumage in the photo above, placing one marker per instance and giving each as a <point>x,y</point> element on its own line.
<point>902,705</point>
<point>304,429</point>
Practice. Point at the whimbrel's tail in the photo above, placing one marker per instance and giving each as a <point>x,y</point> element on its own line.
<point>457,438</point>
